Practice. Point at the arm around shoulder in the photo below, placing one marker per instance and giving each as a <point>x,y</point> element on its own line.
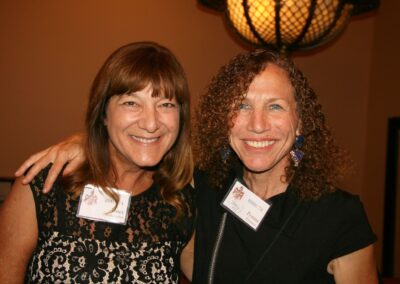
<point>19,233</point>
<point>69,152</point>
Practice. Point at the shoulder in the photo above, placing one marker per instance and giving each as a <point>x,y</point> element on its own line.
<point>19,193</point>
<point>198,176</point>
<point>205,193</point>
<point>188,193</point>
<point>340,207</point>
<point>40,178</point>
<point>201,183</point>
<point>340,201</point>
<point>37,184</point>
<point>19,229</point>
<point>345,212</point>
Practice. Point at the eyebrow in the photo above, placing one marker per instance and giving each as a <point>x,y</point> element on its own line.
<point>277,99</point>
<point>135,94</point>
<point>268,100</point>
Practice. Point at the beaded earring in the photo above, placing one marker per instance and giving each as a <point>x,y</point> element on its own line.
<point>296,153</point>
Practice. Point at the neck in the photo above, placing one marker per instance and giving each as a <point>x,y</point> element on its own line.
<point>134,181</point>
<point>130,177</point>
<point>265,184</point>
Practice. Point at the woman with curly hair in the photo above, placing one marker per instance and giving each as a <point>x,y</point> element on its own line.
<point>268,210</point>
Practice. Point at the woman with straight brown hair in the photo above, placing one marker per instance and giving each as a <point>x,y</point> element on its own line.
<point>126,213</point>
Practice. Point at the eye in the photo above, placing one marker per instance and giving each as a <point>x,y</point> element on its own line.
<point>244,106</point>
<point>168,105</point>
<point>275,107</point>
<point>130,104</point>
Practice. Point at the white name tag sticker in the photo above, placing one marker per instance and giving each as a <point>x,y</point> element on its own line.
<point>245,205</point>
<point>95,204</point>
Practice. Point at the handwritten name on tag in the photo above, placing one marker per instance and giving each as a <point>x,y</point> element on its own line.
<point>95,204</point>
<point>245,205</point>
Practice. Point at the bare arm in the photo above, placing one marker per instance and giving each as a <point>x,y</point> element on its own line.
<point>69,151</point>
<point>358,267</point>
<point>19,233</point>
<point>187,258</point>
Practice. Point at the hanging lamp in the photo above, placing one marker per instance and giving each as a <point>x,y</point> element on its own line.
<point>288,25</point>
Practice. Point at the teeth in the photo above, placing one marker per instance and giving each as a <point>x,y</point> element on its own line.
<point>259,144</point>
<point>144,140</point>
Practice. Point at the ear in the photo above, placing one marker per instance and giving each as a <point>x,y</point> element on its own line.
<point>299,127</point>
<point>105,122</point>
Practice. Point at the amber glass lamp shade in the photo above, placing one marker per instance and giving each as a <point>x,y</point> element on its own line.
<point>288,25</point>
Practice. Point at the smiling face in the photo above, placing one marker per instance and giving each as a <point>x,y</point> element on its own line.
<point>265,126</point>
<point>141,128</point>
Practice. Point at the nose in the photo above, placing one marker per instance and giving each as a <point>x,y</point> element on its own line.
<point>149,119</point>
<point>258,121</point>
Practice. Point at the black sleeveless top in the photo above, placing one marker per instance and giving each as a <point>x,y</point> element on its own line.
<point>77,250</point>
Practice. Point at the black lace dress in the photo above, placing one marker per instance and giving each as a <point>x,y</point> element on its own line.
<point>76,250</point>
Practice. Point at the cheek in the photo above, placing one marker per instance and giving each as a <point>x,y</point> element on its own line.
<point>236,126</point>
<point>289,124</point>
<point>233,141</point>
<point>118,121</point>
<point>111,122</point>
<point>237,130</point>
<point>171,121</point>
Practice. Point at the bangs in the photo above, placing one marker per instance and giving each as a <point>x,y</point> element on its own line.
<point>154,70</point>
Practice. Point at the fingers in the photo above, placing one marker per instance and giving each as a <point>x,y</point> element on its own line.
<point>73,164</point>
<point>59,156</point>
<point>40,160</point>
<point>32,160</point>
<point>53,173</point>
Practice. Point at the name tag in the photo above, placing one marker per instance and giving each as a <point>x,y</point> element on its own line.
<point>245,205</point>
<point>95,204</point>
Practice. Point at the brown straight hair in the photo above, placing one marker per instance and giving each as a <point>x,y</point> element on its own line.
<point>129,69</point>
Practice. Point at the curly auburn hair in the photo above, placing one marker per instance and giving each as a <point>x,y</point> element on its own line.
<point>323,162</point>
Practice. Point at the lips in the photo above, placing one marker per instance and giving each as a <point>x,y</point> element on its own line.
<point>145,140</point>
<point>259,144</point>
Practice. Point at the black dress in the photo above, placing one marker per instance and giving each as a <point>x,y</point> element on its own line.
<point>315,233</point>
<point>77,250</point>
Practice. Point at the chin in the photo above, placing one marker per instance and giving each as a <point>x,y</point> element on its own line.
<point>260,166</point>
<point>256,165</point>
<point>148,162</point>
<point>257,169</point>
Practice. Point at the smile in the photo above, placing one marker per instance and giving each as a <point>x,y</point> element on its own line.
<point>145,140</point>
<point>259,144</point>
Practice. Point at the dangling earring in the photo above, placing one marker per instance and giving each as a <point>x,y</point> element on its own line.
<point>295,153</point>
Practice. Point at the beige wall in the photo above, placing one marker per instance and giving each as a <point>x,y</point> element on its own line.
<point>51,50</point>
<point>383,102</point>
